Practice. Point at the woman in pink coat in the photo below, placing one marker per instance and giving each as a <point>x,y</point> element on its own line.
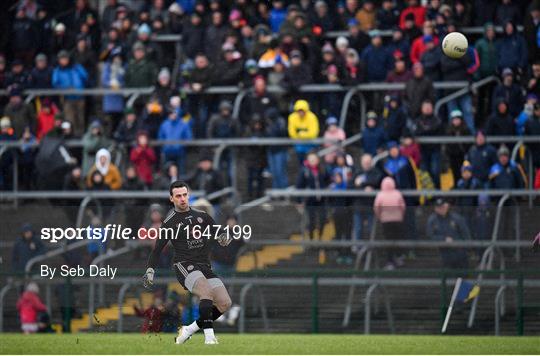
<point>389,207</point>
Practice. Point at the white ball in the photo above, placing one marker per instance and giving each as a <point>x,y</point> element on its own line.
<point>455,44</point>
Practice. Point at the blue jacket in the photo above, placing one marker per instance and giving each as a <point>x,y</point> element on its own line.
<point>373,138</point>
<point>505,177</point>
<point>400,169</point>
<point>276,19</point>
<point>482,158</point>
<point>174,130</point>
<point>511,52</point>
<point>70,77</point>
<point>112,103</point>
<point>23,252</point>
<point>378,62</point>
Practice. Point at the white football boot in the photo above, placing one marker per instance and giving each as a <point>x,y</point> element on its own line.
<point>183,336</point>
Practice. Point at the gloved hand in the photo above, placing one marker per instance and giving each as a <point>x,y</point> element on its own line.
<point>148,278</point>
<point>224,239</point>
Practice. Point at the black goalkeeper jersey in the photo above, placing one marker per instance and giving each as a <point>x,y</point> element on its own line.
<point>186,248</point>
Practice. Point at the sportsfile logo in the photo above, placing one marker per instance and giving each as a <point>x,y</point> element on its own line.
<point>119,232</point>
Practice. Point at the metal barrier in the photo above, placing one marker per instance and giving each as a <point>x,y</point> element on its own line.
<point>364,251</point>
<point>463,91</point>
<point>470,30</point>
<point>488,255</point>
<point>328,278</point>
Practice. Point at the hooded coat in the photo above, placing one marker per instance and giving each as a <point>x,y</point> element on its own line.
<point>389,205</point>
<point>111,174</point>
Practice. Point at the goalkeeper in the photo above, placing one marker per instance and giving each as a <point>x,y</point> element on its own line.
<point>191,262</point>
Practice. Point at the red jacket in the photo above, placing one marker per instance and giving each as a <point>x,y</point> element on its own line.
<point>45,122</point>
<point>29,305</point>
<point>143,158</point>
<point>153,319</point>
<point>419,47</point>
<point>419,13</point>
<point>537,180</point>
<point>412,152</point>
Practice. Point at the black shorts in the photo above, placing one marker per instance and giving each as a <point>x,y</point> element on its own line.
<point>188,272</point>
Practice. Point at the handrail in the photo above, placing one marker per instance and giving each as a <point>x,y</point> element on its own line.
<point>120,302</point>
<point>264,141</point>
<point>499,308</point>
<point>294,192</point>
<point>469,30</point>
<point>340,145</point>
<point>119,194</point>
<point>366,250</point>
<point>530,168</point>
<point>3,293</point>
<point>53,253</point>
<point>367,308</point>
<point>464,91</point>
<point>487,256</point>
<point>424,244</point>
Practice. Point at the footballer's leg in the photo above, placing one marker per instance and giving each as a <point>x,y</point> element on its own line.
<point>222,300</point>
<point>195,282</point>
<point>201,288</point>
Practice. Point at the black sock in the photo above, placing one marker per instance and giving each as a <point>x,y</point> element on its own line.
<point>205,314</point>
<point>216,313</point>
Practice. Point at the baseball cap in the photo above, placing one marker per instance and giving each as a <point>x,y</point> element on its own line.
<point>372,115</point>
<point>507,71</point>
<point>440,201</point>
<point>374,33</point>
<point>331,120</point>
<point>352,22</point>
<point>466,166</point>
<point>503,151</point>
<point>392,144</point>
<point>456,113</point>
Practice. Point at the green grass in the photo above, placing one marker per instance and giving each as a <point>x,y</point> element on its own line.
<point>102,343</point>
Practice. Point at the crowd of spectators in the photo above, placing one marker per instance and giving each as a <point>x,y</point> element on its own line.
<point>258,45</point>
<point>253,44</point>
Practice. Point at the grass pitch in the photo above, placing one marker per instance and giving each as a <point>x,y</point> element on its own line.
<point>101,343</point>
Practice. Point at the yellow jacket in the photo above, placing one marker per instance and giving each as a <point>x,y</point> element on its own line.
<point>304,128</point>
<point>113,178</point>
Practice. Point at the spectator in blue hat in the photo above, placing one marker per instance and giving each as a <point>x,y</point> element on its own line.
<point>358,39</point>
<point>431,59</point>
<point>398,167</point>
<point>68,75</point>
<point>481,156</point>
<point>394,117</point>
<point>26,248</point>
<point>112,77</point>
<point>418,46</point>
<point>467,182</point>
<point>374,135</point>
<point>377,59</point>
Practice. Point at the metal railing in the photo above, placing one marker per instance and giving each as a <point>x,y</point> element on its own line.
<point>469,30</point>
<point>464,91</point>
<point>409,278</point>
